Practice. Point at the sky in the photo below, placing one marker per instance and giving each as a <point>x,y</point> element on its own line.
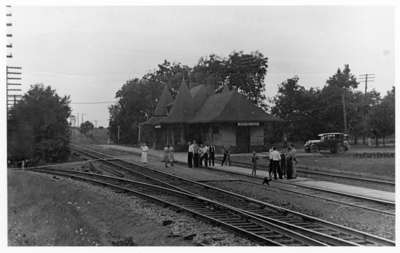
<point>89,52</point>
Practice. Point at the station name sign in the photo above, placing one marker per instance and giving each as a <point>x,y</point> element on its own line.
<point>248,123</point>
<point>157,126</point>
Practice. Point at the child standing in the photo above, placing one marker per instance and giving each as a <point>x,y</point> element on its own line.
<point>254,164</point>
<point>166,156</point>
<point>171,157</point>
<point>145,149</point>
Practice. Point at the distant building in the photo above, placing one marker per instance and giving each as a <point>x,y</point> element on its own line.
<point>224,118</point>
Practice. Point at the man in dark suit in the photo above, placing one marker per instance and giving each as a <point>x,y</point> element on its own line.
<point>195,155</point>
<point>190,154</point>
<point>211,157</point>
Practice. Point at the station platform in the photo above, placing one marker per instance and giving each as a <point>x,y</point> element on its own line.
<point>181,158</point>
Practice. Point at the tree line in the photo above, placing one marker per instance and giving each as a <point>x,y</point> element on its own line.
<point>38,129</point>
<point>336,107</point>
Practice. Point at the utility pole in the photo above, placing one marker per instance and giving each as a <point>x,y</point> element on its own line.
<point>9,34</point>
<point>344,110</point>
<point>118,133</point>
<point>365,78</point>
<point>12,73</point>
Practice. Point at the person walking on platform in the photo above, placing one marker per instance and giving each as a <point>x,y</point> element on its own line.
<point>276,157</point>
<point>201,155</point>
<point>195,154</point>
<point>227,157</point>
<point>204,156</point>
<point>283,163</point>
<point>190,155</point>
<point>144,149</point>
<point>211,157</point>
<point>166,156</point>
<point>254,159</point>
<point>291,157</point>
<point>171,157</point>
<point>270,162</point>
<point>266,178</point>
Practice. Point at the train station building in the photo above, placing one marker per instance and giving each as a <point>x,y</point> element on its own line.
<point>224,118</point>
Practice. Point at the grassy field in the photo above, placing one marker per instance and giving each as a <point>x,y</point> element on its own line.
<point>383,167</point>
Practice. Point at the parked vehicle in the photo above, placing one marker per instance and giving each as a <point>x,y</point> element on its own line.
<point>311,146</point>
<point>333,142</point>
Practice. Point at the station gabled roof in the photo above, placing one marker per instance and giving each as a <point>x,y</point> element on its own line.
<point>163,102</point>
<point>200,94</point>
<point>230,106</point>
<point>182,109</point>
<point>202,105</point>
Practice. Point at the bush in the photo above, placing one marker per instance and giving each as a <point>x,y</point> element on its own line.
<point>37,127</point>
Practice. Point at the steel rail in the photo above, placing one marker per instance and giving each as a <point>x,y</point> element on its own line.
<point>369,239</point>
<point>326,174</point>
<point>238,221</point>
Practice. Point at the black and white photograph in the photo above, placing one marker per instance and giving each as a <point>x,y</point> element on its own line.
<point>203,125</point>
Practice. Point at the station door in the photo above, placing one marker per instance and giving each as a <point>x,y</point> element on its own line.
<point>243,139</point>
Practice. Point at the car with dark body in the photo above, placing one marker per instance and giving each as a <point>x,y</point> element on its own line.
<point>333,142</point>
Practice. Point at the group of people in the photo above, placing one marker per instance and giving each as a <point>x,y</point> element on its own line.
<point>281,164</point>
<point>200,155</point>
<point>168,157</point>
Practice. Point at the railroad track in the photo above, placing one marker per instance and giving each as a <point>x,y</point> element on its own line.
<point>246,225</point>
<point>327,232</point>
<point>325,174</point>
<point>354,200</point>
<point>363,202</point>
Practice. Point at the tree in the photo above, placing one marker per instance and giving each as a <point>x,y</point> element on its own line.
<point>38,129</point>
<point>86,127</point>
<point>359,105</point>
<point>137,101</point>
<point>246,73</point>
<point>211,70</point>
<point>168,73</point>
<point>381,118</point>
<point>299,107</point>
<point>340,83</point>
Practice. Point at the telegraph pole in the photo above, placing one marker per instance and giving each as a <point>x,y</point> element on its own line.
<point>82,114</point>
<point>118,133</point>
<point>13,74</point>
<point>344,110</point>
<point>365,78</point>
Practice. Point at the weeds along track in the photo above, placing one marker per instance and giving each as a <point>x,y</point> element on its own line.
<point>238,221</point>
<point>323,231</point>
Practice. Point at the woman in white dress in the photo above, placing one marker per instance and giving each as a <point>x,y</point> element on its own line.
<point>145,149</point>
